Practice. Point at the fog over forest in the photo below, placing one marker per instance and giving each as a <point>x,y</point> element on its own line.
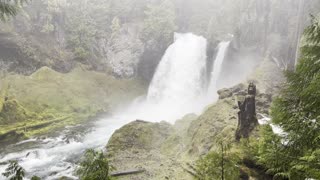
<point>159,89</point>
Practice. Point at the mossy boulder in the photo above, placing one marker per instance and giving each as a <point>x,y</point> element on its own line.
<point>207,128</point>
<point>224,93</point>
<point>139,135</point>
<point>154,147</point>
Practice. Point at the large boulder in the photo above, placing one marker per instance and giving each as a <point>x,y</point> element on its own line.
<point>139,135</point>
<point>153,147</point>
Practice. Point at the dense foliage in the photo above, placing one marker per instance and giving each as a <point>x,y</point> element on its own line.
<point>159,24</point>
<point>221,164</point>
<point>297,155</point>
<point>94,165</point>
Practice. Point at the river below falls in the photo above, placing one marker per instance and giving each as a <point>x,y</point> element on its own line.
<point>56,156</point>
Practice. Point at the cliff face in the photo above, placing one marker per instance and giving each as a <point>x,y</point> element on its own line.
<point>59,34</point>
<point>23,51</point>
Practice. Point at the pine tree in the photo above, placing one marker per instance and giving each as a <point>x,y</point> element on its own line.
<point>94,165</point>
<point>14,171</point>
<point>296,110</point>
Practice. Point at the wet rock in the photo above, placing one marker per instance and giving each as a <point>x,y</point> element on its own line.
<point>224,93</point>
<point>238,88</point>
<point>263,103</point>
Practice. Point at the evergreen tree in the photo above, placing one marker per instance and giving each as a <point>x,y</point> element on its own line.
<point>221,164</point>
<point>14,171</point>
<point>296,110</point>
<point>94,165</point>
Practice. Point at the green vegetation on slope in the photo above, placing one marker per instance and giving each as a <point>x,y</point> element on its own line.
<point>296,110</point>
<point>221,164</point>
<point>46,99</point>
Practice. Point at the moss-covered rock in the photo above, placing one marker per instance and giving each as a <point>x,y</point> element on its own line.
<point>154,147</point>
<point>48,99</point>
<point>224,93</point>
<point>218,118</point>
<point>139,135</point>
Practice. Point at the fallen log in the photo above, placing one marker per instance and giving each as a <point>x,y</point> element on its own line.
<point>125,173</point>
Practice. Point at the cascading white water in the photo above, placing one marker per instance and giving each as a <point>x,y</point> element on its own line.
<point>179,82</point>
<point>181,73</point>
<point>217,68</point>
<point>176,89</point>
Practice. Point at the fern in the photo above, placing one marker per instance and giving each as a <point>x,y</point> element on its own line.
<point>10,8</point>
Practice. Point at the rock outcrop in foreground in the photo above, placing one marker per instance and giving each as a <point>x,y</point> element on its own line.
<point>155,147</point>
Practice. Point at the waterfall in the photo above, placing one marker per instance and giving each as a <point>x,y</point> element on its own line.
<point>180,76</point>
<point>217,67</point>
<point>178,85</point>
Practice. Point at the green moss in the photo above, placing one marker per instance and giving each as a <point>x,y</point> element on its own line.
<point>47,100</point>
<point>133,135</point>
<point>172,145</point>
<point>139,135</point>
<point>13,112</point>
